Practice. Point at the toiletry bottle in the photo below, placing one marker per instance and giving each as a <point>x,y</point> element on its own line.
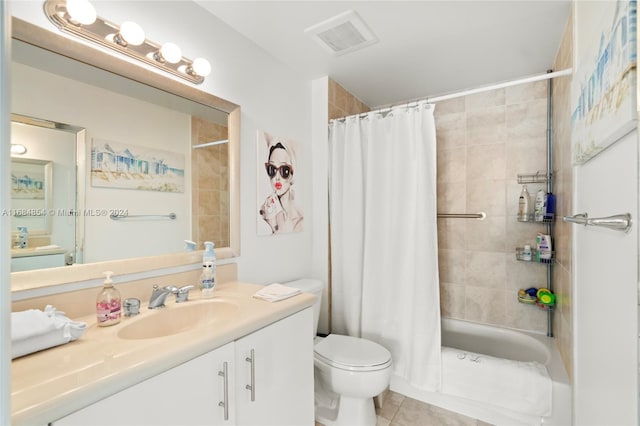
<point>23,236</point>
<point>526,253</point>
<point>209,254</point>
<point>524,205</point>
<point>207,279</point>
<point>550,208</point>
<point>108,303</point>
<point>540,206</point>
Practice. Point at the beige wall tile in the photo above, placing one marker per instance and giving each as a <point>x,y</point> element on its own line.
<point>485,269</point>
<point>527,120</point>
<point>486,126</point>
<point>451,197</point>
<point>485,100</point>
<point>452,165</point>
<point>486,162</point>
<point>450,106</point>
<point>523,93</point>
<point>487,195</point>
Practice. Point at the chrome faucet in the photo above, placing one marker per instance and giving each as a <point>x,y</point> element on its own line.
<point>159,295</point>
<point>182,294</point>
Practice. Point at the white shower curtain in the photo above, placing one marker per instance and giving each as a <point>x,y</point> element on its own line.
<point>384,260</point>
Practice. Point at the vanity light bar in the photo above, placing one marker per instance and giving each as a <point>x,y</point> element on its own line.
<point>108,34</point>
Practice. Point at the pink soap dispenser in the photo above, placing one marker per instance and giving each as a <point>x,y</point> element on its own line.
<point>108,303</point>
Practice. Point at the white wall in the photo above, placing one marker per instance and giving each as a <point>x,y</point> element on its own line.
<point>272,98</point>
<point>605,291</point>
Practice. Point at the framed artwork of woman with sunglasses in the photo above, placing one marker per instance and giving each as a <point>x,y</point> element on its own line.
<point>279,210</point>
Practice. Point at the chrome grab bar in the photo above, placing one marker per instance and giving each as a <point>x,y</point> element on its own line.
<point>619,222</point>
<point>479,215</point>
<point>120,216</point>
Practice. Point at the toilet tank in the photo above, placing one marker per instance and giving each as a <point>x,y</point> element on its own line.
<point>313,286</point>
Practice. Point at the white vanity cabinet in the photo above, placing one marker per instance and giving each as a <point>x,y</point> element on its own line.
<point>274,363</point>
<point>185,395</point>
<point>279,391</point>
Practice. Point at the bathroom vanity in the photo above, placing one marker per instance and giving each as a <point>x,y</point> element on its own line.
<point>243,361</point>
<point>34,258</point>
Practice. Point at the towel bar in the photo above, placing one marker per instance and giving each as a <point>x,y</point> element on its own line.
<point>116,216</point>
<point>619,222</point>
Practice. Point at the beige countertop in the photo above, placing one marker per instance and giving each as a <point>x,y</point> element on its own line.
<point>51,384</point>
<point>29,252</point>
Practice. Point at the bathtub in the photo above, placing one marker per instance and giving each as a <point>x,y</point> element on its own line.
<point>502,343</point>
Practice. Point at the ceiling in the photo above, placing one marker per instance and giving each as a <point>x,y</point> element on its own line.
<point>425,48</point>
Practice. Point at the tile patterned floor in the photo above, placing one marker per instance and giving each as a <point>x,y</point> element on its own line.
<point>398,410</point>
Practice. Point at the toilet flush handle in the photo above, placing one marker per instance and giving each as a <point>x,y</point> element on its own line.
<point>252,387</point>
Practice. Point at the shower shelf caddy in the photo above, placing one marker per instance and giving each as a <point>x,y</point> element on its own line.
<point>534,257</point>
<point>538,177</point>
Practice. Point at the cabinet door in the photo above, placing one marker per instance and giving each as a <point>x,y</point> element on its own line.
<point>281,356</point>
<point>185,395</point>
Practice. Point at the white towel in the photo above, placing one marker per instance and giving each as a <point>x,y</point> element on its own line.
<point>34,330</point>
<point>516,385</point>
<point>275,292</point>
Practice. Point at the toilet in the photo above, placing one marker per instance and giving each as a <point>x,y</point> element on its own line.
<point>348,371</point>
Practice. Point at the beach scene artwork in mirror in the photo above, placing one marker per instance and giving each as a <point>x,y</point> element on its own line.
<point>27,180</point>
<point>126,166</point>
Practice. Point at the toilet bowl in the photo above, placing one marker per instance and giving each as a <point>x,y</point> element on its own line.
<point>348,371</point>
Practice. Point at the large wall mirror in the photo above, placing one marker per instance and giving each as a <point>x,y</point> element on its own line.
<point>156,160</point>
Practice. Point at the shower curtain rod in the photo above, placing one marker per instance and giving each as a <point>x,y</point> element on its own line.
<point>386,108</point>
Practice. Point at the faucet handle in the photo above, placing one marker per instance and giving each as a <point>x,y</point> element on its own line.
<point>182,295</point>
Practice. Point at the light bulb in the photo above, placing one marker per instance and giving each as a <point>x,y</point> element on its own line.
<point>18,149</point>
<point>201,67</point>
<point>81,11</point>
<point>132,33</point>
<point>171,53</point>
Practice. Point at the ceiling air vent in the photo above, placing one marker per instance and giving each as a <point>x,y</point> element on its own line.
<point>342,34</point>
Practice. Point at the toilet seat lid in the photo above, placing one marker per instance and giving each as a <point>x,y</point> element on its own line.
<point>352,353</point>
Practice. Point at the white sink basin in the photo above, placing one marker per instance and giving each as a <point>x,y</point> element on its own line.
<point>175,319</point>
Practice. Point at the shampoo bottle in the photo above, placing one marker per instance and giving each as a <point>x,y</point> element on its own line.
<point>524,205</point>
<point>541,199</point>
<point>550,208</point>
<point>108,303</point>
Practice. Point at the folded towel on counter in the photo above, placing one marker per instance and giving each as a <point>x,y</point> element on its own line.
<point>34,330</point>
<point>275,292</point>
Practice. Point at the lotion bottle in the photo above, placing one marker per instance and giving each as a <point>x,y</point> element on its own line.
<point>208,277</point>
<point>541,199</point>
<point>108,303</point>
<point>524,205</point>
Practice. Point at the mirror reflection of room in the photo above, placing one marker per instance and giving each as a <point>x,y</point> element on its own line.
<point>132,119</point>
<point>43,194</point>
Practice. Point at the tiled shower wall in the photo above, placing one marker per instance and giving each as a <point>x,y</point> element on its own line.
<point>343,103</point>
<point>210,184</point>
<point>483,142</point>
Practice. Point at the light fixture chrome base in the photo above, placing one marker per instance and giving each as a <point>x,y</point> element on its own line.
<point>102,32</point>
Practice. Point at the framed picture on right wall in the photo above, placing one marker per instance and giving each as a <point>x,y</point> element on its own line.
<point>603,92</point>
